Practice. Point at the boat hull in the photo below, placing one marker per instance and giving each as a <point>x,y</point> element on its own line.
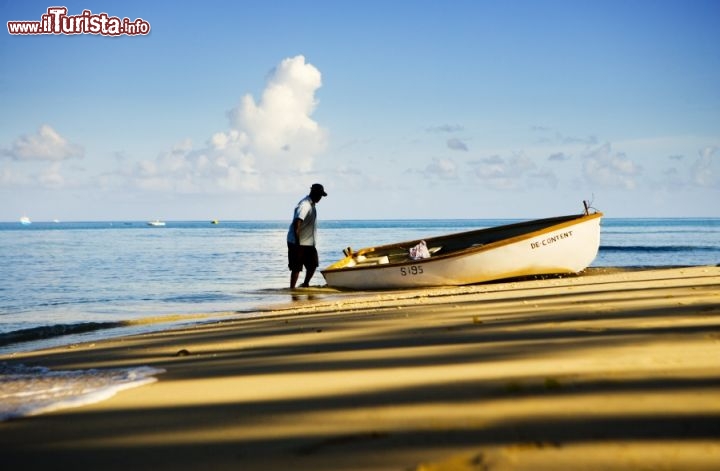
<point>567,247</point>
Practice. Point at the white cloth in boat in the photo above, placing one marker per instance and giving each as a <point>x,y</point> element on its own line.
<point>420,251</point>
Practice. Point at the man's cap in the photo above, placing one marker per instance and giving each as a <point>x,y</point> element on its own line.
<point>318,189</point>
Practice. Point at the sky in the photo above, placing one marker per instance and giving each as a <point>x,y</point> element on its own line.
<point>402,109</point>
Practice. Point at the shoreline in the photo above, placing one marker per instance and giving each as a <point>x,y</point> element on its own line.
<point>612,370</point>
<point>72,334</point>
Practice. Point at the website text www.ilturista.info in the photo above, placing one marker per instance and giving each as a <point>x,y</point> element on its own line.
<point>57,21</point>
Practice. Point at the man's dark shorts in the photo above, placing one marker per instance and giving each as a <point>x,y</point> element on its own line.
<point>300,256</point>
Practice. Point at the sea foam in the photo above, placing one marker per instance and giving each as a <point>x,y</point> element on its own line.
<point>26,391</point>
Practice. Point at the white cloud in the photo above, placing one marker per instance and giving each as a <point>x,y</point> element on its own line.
<point>706,169</point>
<point>51,176</point>
<point>457,144</point>
<point>449,128</point>
<point>38,160</point>
<point>206,170</point>
<point>587,140</point>
<point>673,179</point>
<point>550,135</point>
<point>10,177</point>
<point>558,157</point>
<point>441,168</point>
<point>504,174</point>
<point>45,145</point>
<point>540,128</point>
<point>543,177</point>
<point>279,128</point>
<point>269,141</point>
<point>609,169</point>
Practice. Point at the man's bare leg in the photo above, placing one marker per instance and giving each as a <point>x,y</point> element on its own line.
<point>308,275</point>
<point>293,278</point>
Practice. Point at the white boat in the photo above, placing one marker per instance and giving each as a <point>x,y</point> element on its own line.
<point>156,223</point>
<point>25,221</point>
<point>565,244</point>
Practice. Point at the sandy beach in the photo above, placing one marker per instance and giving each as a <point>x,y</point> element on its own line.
<point>611,370</point>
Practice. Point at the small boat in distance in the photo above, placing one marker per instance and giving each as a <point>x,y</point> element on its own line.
<point>25,221</point>
<point>564,244</point>
<point>156,223</point>
<point>214,221</point>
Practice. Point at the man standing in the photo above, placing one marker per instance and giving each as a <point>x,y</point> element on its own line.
<point>302,236</point>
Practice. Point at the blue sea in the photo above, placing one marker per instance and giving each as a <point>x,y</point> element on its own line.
<point>69,282</point>
<point>89,278</point>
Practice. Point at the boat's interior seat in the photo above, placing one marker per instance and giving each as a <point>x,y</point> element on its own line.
<point>362,260</point>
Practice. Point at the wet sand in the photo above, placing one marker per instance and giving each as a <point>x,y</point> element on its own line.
<point>611,370</point>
